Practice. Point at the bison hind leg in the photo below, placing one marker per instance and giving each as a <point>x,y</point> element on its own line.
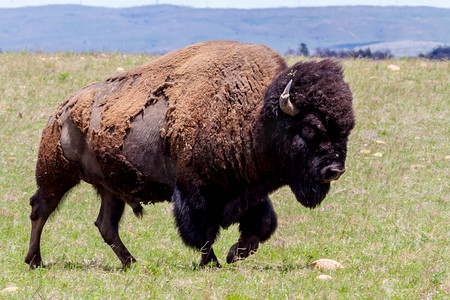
<point>107,222</point>
<point>256,225</point>
<point>43,203</point>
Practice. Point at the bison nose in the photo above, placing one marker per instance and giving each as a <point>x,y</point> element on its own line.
<point>332,172</point>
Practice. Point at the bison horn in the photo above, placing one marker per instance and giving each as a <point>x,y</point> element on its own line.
<point>285,102</point>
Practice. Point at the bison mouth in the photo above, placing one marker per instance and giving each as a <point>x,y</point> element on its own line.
<point>309,192</point>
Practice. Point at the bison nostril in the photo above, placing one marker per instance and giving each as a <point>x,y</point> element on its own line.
<point>332,172</point>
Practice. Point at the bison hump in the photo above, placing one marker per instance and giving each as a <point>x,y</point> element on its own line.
<point>213,106</point>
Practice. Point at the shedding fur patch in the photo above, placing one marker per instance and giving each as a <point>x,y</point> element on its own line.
<point>82,108</point>
<point>120,107</point>
<point>214,90</point>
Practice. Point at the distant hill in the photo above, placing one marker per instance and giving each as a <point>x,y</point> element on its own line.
<point>162,28</point>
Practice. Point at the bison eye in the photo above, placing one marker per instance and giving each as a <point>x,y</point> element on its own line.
<point>308,132</point>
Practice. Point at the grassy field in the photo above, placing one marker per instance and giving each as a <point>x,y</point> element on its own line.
<point>386,220</point>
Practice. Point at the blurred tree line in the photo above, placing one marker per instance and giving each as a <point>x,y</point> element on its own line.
<point>437,53</point>
<point>361,53</point>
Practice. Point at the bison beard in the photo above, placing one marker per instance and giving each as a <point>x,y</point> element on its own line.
<point>214,127</point>
<point>309,192</point>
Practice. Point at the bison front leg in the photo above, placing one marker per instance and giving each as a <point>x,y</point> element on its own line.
<point>43,203</point>
<point>198,226</point>
<point>256,225</point>
<point>107,222</point>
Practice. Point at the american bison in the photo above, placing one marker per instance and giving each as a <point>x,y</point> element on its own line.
<point>214,128</point>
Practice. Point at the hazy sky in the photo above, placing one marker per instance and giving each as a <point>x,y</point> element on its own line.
<point>226,3</point>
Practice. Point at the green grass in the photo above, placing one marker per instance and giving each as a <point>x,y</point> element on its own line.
<point>386,219</point>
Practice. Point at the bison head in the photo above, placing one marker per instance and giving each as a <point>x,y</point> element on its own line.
<point>308,117</point>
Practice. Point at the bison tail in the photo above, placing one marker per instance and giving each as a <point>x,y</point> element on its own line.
<point>138,210</point>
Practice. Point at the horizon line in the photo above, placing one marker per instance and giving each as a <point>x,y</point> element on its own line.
<point>214,7</point>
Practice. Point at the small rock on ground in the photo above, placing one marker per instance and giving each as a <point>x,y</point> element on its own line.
<point>324,277</point>
<point>11,289</point>
<point>326,265</point>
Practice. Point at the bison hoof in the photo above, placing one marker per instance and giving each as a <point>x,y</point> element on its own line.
<point>209,259</point>
<point>127,263</point>
<point>34,266</point>
<point>234,254</point>
<point>34,261</point>
<point>238,252</point>
<point>211,264</point>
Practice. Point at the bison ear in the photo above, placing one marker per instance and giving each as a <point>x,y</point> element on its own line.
<point>285,102</point>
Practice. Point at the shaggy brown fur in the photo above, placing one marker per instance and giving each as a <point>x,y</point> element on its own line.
<point>51,157</point>
<point>212,91</point>
<point>215,112</point>
<point>197,65</point>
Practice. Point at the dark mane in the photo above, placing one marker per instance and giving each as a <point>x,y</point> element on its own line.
<point>311,80</point>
